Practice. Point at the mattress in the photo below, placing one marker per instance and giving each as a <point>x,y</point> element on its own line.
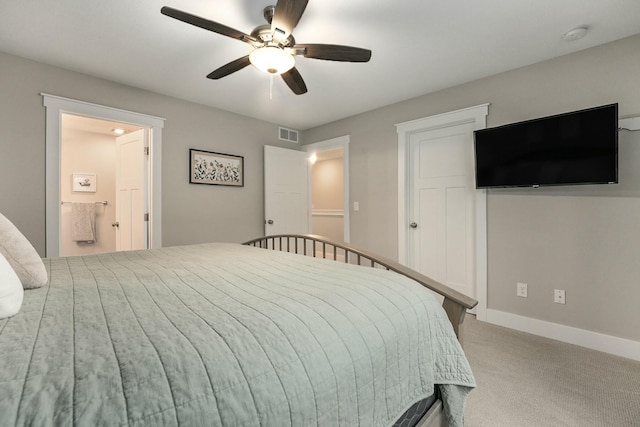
<point>224,334</point>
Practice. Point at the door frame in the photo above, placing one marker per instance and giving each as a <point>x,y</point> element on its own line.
<point>55,107</point>
<point>339,142</point>
<point>477,117</point>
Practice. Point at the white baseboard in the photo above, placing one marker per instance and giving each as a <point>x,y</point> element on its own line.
<point>593,340</point>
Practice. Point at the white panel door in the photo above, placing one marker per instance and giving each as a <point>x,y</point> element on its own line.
<point>286,191</point>
<point>442,211</point>
<point>131,229</point>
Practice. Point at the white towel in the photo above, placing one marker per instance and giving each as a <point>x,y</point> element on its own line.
<point>83,222</point>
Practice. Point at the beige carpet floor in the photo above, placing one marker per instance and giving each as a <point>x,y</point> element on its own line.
<point>526,380</point>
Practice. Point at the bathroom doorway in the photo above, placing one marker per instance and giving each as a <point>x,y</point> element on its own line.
<point>56,107</point>
<point>94,211</point>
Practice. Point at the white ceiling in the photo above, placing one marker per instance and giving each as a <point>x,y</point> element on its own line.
<point>71,123</point>
<point>419,46</point>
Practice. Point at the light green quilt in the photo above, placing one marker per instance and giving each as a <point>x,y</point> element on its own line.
<point>223,334</point>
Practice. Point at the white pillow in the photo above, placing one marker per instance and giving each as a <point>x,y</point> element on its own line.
<point>11,291</point>
<point>22,257</point>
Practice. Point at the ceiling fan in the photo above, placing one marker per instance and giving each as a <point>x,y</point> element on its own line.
<point>275,48</point>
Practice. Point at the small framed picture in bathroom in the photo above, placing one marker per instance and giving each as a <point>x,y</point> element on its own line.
<point>84,182</point>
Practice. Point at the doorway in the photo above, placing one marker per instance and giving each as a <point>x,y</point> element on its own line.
<point>329,188</point>
<point>56,107</point>
<point>88,151</point>
<point>289,188</point>
<point>327,194</point>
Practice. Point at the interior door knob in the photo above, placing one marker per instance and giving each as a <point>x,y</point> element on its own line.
<point>115,224</point>
<point>413,225</point>
<point>270,222</point>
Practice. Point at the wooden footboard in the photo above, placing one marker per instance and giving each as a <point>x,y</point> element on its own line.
<point>455,304</point>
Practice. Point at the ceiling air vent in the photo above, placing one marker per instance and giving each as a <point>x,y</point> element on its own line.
<point>289,135</point>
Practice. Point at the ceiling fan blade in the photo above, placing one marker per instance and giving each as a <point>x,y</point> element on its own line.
<point>229,68</point>
<point>207,24</point>
<point>333,52</point>
<point>286,17</point>
<point>294,80</point>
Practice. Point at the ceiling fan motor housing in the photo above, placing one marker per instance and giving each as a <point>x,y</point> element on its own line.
<point>263,33</point>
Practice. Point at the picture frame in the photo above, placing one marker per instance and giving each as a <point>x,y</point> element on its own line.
<point>211,168</point>
<point>84,182</point>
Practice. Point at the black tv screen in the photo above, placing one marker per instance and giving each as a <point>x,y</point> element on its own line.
<point>580,147</point>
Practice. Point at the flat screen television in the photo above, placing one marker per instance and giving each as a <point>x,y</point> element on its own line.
<point>580,147</point>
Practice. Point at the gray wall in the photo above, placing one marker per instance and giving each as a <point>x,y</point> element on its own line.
<point>583,240</point>
<point>190,213</point>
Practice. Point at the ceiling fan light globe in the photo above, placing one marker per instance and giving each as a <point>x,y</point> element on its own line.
<point>272,60</point>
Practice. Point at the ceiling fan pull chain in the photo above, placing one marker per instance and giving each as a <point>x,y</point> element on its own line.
<point>270,87</point>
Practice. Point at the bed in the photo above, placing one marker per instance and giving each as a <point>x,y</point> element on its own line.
<point>234,335</point>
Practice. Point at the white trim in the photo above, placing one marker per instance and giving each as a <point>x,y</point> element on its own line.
<point>341,141</point>
<point>477,116</point>
<point>593,340</point>
<point>56,106</point>
<point>631,124</point>
<point>403,179</point>
<point>482,271</point>
<point>327,212</point>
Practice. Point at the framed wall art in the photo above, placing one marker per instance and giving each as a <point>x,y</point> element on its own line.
<point>206,167</point>
<point>84,182</point>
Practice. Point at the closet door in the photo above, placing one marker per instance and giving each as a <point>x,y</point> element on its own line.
<point>442,209</point>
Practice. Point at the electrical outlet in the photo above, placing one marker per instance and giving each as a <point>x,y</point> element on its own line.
<point>521,290</point>
<point>356,206</point>
<point>558,296</point>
